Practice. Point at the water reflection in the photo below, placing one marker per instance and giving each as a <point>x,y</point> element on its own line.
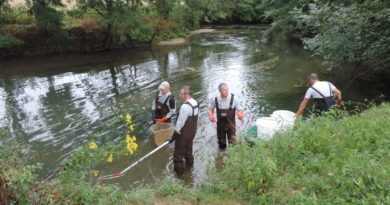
<point>57,103</point>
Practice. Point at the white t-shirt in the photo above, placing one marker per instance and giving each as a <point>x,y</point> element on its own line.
<point>184,112</point>
<point>322,87</point>
<point>225,103</point>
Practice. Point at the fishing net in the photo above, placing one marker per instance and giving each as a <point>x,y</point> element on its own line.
<point>251,134</point>
<point>162,132</point>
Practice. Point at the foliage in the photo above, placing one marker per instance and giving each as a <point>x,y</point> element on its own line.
<point>330,159</point>
<point>8,41</point>
<point>357,34</point>
<point>15,173</point>
<point>47,17</point>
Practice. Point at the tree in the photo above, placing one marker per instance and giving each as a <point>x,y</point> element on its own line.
<point>47,17</point>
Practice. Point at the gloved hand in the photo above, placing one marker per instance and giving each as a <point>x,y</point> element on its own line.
<point>211,115</point>
<point>174,136</point>
<point>298,114</point>
<point>163,119</point>
<point>240,115</point>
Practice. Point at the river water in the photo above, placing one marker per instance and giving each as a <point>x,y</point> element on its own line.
<point>57,103</point>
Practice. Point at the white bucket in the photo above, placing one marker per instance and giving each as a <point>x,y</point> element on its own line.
<point>285,118</point>
<point>279,120</point>
<point>266,127</point>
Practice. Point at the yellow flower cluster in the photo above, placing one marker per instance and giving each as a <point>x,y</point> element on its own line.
<point>110,158</point>
<point>130,144</point>
<point>102,187</point>
<point>92,145</point>
<point>128,118</point>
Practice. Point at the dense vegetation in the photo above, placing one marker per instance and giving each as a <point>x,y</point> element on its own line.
<point>332,159</point>
<point>341,31</point>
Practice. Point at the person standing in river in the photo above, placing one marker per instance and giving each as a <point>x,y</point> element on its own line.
<point>185,131</point>
<point>323,92</point>
<point>226,105</point>
<point>164,105</point>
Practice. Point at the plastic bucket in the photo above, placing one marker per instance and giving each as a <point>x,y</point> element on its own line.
<point>266,127</point>
<point>285,118</point>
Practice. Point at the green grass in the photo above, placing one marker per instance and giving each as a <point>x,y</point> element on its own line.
<point>323,160</point>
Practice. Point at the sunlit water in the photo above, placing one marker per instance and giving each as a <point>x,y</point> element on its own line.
<point>57,103</point>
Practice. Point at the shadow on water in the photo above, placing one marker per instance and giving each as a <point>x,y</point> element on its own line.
<point>57,103</point>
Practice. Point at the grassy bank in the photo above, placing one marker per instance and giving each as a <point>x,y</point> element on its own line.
<point>333,159</point>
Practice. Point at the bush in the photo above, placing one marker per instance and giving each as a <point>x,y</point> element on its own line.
<point>328,159</point>
<point>358,34</point>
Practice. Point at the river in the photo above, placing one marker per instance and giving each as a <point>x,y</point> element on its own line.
<point>57,103</point>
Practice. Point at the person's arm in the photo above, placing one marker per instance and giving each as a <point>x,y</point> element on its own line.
<point>211,110</point>
<point>240,111</point>
<point>183,115</point>
<point>337,92</point>
<point>302,107</point>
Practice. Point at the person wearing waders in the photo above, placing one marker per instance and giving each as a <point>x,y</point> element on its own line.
<point>184,133</point>
<point>323,92</point>
<point>163,107</point>
<point>226,105</point>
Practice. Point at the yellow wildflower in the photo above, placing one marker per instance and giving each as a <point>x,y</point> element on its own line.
<point>128,118</point>
<point>121,116</point>
<point>92,145</point>
<point>110,158</point>
<point>131,127</point>
<point>135,146</point>
<point>101,187</point>
<point>96,173</point>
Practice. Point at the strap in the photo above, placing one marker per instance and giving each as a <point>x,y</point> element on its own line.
<point>192,106</point>
<point>231,102</point>
<point>216,104</point>
<point>166,100</point>
<point>317,91</point>
<point>157,97</point>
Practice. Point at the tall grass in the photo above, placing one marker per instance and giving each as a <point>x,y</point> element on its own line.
<point>324,160</point>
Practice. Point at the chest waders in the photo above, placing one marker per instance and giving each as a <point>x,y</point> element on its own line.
<point>325,103</point>
<point>183,143</point>
<point>226,123</point>
<point>162,109</point>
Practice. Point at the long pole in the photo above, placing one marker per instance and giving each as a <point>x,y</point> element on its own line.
<point>119,174</point>
<point>144,157</point>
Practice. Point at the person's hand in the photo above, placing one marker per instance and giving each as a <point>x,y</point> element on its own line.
<point>298,114</point>
<point>338,105</point>
<point>240,115</point>
<point>163,119</point>
<point>174,136</point>
<point>211,115</point>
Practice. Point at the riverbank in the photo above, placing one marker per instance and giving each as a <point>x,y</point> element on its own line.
<point>330,159</point>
